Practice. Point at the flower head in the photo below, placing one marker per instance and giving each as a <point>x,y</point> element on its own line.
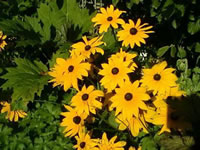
<point>86,100</point>
<point>133,34</point>
<point>84,142</point>
<point>67,72</point>
<point>2,40</point>
<point>159,79</point>
<point>106,144</point>
<point>108,17</point>
<point>73,121</point>
<point>116,71</point>
<point>126,57</point>
<point>129,98</point>
<point>12,115</point>
<point>88,47</point>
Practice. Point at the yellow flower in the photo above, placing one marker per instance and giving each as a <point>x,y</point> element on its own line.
<point>88,47</point>
<point>159,79</point>
<point>73,121</point>
<point>105,144</point>
<point>84,142</point>
<point>12,115</point>
<point>108,17</point>
<point>133,33</point>
<point>116,71</point>
<point>129,98</point>
<point>126,57</point>
<point>86,100</point>
<point>2,40</point>
<point>134,124</point>
<point>67,72</point>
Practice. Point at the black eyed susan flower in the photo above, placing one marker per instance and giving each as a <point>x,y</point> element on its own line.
<point>88,47</point>
<point>126,57</point>
<point>106,144</point>
<point>67,72</point>
<point>84,142</point>
<point>159,79</point>
<point>129,98</point>
<point>73,121</point>
<point>108,17</point>
<point>116,71</point>
<point>86,100</point>
<point>133,34</point>
<point>2,40</point>
<point>12,115</point>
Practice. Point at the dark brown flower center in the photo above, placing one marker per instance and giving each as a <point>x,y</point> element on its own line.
<point>115,70</point>
<point>85,97</point>
<point>156,77</point>
<point>110,18</point>
<point>82,144</point>
<point>87,47</point>
<point>174,116</point>
<point>128,96</point>
<point>133,31</point>
<point>70,68</point>
<point>77,119</point>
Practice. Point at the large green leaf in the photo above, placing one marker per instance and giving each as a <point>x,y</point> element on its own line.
<point>26,79</point>
<point>79,17</point>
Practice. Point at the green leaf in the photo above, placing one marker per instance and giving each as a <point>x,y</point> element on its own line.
<point>194,27</point>
<point>173,51</point>
<point>111,43</point>
<point>197,48</point>
<point>161,51</point>
<point>148,144</point>
<point>111,120</point>
<point>26,79</point>
<point>79,17</point>
<point>174,24</point>
<point>115,2</point>
<point>181,52</point>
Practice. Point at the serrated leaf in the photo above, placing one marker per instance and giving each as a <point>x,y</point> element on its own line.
<point>161,51</point>
<point>79,17</point>
<point>26,79</point>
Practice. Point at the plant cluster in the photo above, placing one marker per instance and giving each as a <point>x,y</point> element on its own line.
<point>99,80</point>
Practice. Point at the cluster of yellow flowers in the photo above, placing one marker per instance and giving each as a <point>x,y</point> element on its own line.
<point>2,40</point>
<point>131,101</point>
<point>12,115</point>
<point>134,107</point>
